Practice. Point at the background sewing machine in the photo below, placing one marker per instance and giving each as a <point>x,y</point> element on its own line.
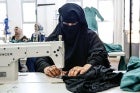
<point>11,52</point>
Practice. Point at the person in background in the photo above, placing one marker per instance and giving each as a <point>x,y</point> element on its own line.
<point>18,36</point>
<point>38,35</point>
<point>83,47</point>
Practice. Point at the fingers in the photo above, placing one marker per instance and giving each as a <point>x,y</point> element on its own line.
<point>52,71</point>
<point>78,70</point>
<point>85,68</point>
<point>48,72</point>
<point>63,73</point>
<point>74,71</point>
<point>83,71</point>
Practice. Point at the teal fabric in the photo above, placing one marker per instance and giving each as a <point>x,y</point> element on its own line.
<point>23,39</point>
<point>16,41</point>
<point>131,79</point>
<point>113,47</point>
<point>117,48</point>
<point>90,14</point>
<point>122,64</point>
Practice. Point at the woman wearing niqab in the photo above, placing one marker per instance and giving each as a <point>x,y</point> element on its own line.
<point>83,47</point>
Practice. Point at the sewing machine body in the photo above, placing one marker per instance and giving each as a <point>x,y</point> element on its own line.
<point>10,53</point>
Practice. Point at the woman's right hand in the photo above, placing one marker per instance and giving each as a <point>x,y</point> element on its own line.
<point>52,71</point>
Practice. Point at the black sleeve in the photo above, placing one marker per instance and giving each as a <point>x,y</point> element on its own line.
<point>13,38</point>
<point>24,38</point>
<point>97,54</point>
<point>43,62</point>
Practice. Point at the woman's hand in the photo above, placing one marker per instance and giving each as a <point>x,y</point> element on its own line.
<point>79,70</point>
<point>52,71</point>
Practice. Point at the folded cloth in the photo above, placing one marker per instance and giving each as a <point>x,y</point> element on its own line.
<point>131,79</point>
<point>113,47</point>
<point>96,79</point>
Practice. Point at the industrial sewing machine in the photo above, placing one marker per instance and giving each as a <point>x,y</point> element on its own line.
<point>10,53</point>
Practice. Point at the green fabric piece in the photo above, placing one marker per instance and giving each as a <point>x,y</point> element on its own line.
<point>122,64</point>
<point>131,79</point>
<point>90,14</point>
<point>18,41</point>
<point>134,62</point>
<point>113,47</point>
<point>117,48</point>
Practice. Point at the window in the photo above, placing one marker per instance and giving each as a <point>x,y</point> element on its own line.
<point>29,18</point>
<point>2,11</point>
<point>29,12</point>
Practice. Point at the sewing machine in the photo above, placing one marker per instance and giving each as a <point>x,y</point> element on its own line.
<point>10,53</point>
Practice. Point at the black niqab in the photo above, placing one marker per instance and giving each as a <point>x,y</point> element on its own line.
<point>74,37</point>
<point>79,41</point>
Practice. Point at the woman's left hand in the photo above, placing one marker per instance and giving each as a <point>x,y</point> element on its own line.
<point>78,70</point>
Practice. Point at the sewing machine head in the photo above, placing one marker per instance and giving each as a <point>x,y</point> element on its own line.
<point>10,53</point>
